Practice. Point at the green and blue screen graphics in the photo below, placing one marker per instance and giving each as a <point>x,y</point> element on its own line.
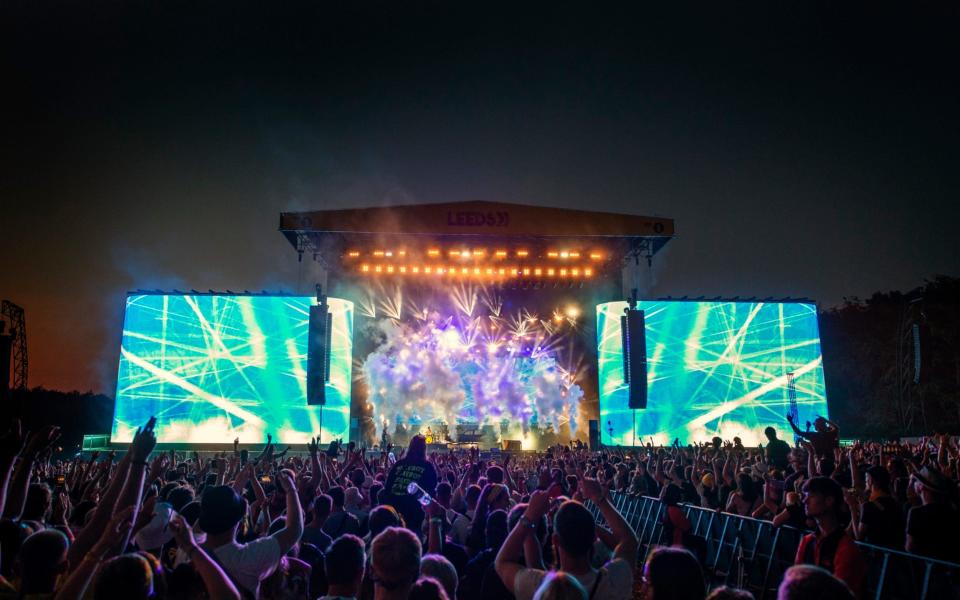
<point>213,368</point>
<point>713,368</point>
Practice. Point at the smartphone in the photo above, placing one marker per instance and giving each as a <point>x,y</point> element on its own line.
<point>265,479</point>
<point>61,479</point>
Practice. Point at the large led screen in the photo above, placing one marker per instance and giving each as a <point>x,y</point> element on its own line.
<point>713,369</point>
<point>215,368</point>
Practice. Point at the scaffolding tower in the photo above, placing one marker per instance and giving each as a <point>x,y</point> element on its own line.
<point>16,323</point>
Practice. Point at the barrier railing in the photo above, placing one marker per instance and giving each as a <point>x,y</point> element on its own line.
<point>753,554</point>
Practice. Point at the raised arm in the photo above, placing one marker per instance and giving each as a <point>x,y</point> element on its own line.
<point>313,447</point>
<point>140,449</point>
<point>218,584</point>
<point>17,490</point>
<point>507,563</point>
<point>627,543</point>
<point>435,528</point>
<point>89,535</point>
<point>117,529</point>
<point>11,445</point>
<point>508,477</point>
<point>293,526</point>
<point>811,460</point>
<point>858,481</point>
<point>796,429</point>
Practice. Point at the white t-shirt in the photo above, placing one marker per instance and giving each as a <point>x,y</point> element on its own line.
<point>616,582</point>
<point>459,526</point>
<point>156,533</point>
<point>247,564</point>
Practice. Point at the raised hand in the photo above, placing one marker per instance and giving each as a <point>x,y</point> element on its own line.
<point>285,479</point>
<point>114,533</point>
<point>61,509</point>
<point>313,446</point>
<point>182,532</point>
<point>40,441</point>
<point>538,506</point>
<point>143,442</point>
<point>592,490</point>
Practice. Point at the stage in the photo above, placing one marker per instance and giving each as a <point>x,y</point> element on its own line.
<point>470,323</point>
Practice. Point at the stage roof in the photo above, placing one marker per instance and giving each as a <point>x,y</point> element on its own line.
<point>327,232</point>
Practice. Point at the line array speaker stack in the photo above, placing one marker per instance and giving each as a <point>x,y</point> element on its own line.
<point>318,353</point>
<point>594,434</point>
<point>633,330</point>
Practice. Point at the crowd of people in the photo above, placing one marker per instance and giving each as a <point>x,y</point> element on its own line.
<point>343,522</point>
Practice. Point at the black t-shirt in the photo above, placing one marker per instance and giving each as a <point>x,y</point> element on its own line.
<point>480,579</point>
<point>317,537</point>
<point>935,529</point>
<point>456,554</point>
<point>777,452</point>
<point>884,520</point>
<point>689,493</point>
<point>404,472</point>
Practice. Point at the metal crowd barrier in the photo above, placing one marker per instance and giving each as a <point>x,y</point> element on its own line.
<point>753,554</point>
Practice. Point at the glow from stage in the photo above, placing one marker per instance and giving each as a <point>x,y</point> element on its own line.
<point>214,368</point>
<point>713,368</point>
<point>462,360</point>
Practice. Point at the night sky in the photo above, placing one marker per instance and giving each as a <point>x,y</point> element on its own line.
<point>803,148</point>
